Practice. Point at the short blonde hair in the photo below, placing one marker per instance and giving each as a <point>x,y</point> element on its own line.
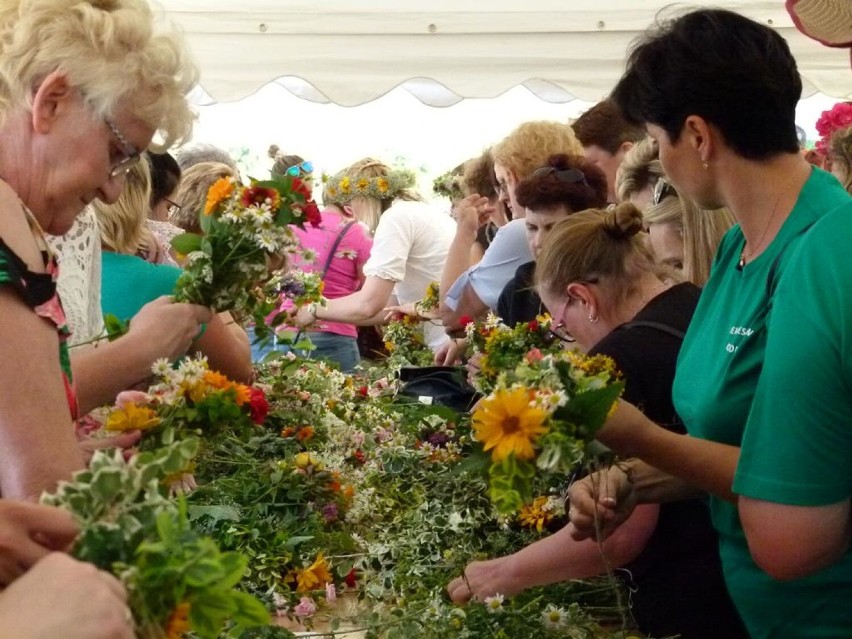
<point>192,193</point>
<point>108,49</point>
<point>640,169</point>
<point>840,152</point>
<point>122,223</point>
<point>369,209</point>
<point>527,147</point>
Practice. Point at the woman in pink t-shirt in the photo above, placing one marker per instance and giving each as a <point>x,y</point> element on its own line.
<point>344,275</point>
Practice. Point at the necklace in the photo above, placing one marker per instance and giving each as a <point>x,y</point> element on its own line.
<point>757,247</point>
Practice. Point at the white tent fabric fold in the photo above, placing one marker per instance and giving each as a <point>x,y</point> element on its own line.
<point>351,52</point>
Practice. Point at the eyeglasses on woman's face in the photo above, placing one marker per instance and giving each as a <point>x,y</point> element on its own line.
<point>174,207</point>
<point>128,156</point>
<point>303,168</point>
<point>662,190</point>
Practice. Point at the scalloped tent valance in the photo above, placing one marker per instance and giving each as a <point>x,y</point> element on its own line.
<point>350,52</point>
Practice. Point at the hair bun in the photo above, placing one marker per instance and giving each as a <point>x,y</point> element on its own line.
<point>623,221</point>
<point>273,151</point>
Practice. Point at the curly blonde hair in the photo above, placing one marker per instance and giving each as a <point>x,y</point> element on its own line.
<point>122,223</point>
<point>108,49</point>
<point>527,147</point>
<point>840,152</point>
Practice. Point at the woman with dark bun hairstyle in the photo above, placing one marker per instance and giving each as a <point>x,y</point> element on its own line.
<point>601,285</point>
<point>564,185</point>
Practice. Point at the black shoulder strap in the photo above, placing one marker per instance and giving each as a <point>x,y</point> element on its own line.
<point>334,246</point>
<point>665,328</point>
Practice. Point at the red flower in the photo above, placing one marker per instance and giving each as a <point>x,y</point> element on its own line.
<point>532,325</point>
<point>258,406</point>
<point>351,578</point>
<point>312,213</point>
<point>364,391</point>
<point>358,457</point>
<point>301,188</point>
<point>258,195</point>
<point>464,320</point>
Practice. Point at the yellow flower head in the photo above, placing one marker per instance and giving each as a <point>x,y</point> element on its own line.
<point>537,514</point>
<point>508,423</point>
<point>313,577</point>
<point>383,185</point>
<point>132,417</point>
<point>220,190</point>
<point>362,184</point>
<point>344,185</point>
<point>178,624</point>
<point>306,460</point>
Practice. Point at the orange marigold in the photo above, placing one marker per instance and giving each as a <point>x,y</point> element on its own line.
<point>220,191</point>
<point>178,624</point>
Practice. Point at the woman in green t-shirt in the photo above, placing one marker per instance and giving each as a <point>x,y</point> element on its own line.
<point>718,93</point>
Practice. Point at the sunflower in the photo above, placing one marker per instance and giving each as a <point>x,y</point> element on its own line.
<point>507,422</point>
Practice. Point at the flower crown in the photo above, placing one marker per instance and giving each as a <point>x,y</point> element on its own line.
<point>837,117</point>
<point>449,185</point>
<point>342,188</point>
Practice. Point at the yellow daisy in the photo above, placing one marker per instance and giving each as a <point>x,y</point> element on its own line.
<point>537,514</point>
<point>507,423</point>
<point>131,417</point>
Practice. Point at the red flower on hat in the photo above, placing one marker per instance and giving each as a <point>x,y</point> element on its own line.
<point>837,117</point>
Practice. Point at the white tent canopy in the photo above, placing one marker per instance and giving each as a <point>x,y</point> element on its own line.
<point>351,52</point>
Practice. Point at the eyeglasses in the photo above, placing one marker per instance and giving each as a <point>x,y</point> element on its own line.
<point>662,190</point>
<point>558,330</point>
<point>174,207</point>
<point>302,168</point>
<point>501,188</point>
<point>131,153</point>
<point>570,176</point>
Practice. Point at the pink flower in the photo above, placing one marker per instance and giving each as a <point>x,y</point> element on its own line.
<point>330,592</point>
<point>134,397</point>
<point>837,117</point>
<point>534,355</point>
<point>305,608</point>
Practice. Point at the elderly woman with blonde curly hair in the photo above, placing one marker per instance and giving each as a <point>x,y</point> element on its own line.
<point>84,86</point>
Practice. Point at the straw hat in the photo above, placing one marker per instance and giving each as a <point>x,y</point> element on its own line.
<point>828,21</point>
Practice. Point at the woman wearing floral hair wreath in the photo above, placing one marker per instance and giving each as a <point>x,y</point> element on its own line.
<point>835,143</point>
<point>410,245</point>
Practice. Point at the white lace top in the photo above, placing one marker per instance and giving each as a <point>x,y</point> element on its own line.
<point>78,254</point>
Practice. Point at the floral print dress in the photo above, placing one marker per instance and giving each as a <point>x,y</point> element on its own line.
<point>38,291</point>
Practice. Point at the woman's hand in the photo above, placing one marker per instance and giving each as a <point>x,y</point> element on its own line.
<point>483,579</point>
<point>600,503</point>
<point>449,354</point>
<point>123,440</point>
<point>472,212</point>
<point>305,316</point>
<point>168,327</point>
<point>62,597</point>
<point>29,532</point>
<point>625,429</point>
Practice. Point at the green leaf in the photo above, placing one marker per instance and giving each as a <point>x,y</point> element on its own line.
<point>215,513</point>
<point>591,408</point>
<point>115,327</point>
<point>250,611</point>
<point>186,243</point>
<point>234,567</point>
<point>295,541</point>
<point>209,611</point>
<point>203,573</point>
<point>205,222</point>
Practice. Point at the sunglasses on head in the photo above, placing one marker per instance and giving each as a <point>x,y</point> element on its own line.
<point>300,169</point>
<point>570,176</point>
<point>662,190</point>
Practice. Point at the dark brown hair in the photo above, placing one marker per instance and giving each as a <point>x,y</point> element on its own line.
<point>545,189</point>
<point>604,126</point>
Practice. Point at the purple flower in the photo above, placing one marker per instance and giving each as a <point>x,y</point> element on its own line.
<point>292,288</point>
<point>329,512</point>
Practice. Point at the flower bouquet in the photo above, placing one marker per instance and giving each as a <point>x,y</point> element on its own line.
<point>404,342</point>
<point>178,580</point>
<point>244,229</point>
<point>296,289</point>
<point>541,415</point>
<point>498,349</point>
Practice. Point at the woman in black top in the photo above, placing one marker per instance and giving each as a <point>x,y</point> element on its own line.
<point>600,283</point>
